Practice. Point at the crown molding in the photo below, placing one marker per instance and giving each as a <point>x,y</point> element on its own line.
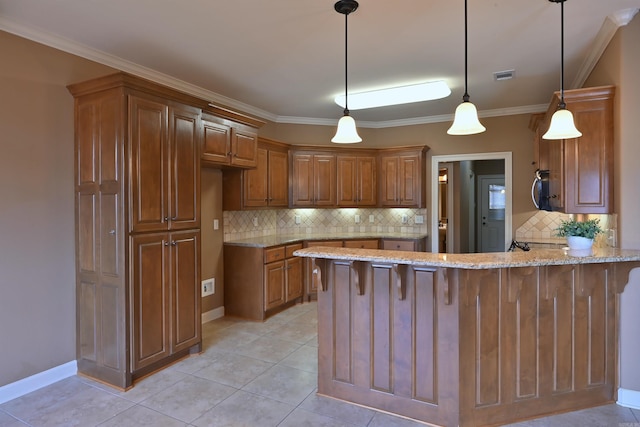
<point>604,36</point>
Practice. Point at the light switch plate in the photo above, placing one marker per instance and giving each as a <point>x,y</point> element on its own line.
<point>357,218</point>
<point>419,219</point>
<point>216,224</point>
<point>372,219</point>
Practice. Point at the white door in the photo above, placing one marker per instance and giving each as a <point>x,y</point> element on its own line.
<point>492,198</point>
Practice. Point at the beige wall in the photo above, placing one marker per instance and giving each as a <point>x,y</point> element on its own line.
<point>619,65</point>
<point>37,258</point>
<point>212,266</point>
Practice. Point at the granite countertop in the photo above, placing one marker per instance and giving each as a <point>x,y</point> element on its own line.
<point>473,261</point>
<point>285,239</point>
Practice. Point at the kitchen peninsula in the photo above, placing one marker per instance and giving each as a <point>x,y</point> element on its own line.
<point>469,339</point>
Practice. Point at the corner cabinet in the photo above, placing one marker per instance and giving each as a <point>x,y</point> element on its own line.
<point>137,182</point>
<point>580,169</point>
<point>402,177</point>
<point>265,186</point>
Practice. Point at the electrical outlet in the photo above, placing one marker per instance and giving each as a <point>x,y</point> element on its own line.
<point>216,224</point>
<point>419,219</point>
<point>208,287</point>
<point>405,219</point>
<point>255,221</point>
<point>372,219</point>
<point>357,218</point>
<point>298,220</point>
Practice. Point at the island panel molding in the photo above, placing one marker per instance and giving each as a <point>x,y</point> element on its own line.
<point>456,346</point>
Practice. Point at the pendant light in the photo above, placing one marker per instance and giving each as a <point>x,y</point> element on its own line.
<point>346,132</point>
<point>465,120</point>
<point>562,125</point>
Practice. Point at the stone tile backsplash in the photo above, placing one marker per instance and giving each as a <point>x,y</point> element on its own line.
<point>247,224</point>
<point>541,228</point>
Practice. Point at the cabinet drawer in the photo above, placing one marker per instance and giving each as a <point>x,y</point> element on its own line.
<point>398,245</point>
<point>273,254</point>
<point>327,243</point>
<point>361,244</point>
<point>290,249</point>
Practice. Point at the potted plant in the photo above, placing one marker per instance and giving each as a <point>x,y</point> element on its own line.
<point>579,234</point>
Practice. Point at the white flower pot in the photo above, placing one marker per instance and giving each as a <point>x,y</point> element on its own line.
<point>579,246</point>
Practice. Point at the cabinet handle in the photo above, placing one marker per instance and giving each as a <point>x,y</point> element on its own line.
<point>229,153</point>
<point>112,232</point>
<point>166,218</point>
<point>166,243</point>
<point>174,243</point>
<point>173,218</point>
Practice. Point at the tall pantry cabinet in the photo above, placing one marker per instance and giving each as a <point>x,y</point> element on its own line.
<point>137,176</point>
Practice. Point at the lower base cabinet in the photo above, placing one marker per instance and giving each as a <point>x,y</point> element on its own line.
<point>165,296</point>
<point>260,282</point>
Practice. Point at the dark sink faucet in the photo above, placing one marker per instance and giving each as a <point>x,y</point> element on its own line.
<point>520,245</point>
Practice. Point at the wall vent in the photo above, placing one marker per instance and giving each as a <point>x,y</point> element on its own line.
<point>503,75</point>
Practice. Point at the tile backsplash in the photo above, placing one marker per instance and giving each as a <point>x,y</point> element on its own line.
<point>247,224</point>
<point>541,228</point>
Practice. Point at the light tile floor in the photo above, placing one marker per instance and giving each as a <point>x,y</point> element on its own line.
<point>249,374</point>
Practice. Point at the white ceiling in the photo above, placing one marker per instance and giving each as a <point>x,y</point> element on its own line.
<point>283,60</point>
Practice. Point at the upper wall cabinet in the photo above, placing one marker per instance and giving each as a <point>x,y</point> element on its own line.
<point>228,144</point>
<point>402,177</point>
<point>356,180</point>
<point>580,169</point>
<point>313,179</point>
<point>263,187</point>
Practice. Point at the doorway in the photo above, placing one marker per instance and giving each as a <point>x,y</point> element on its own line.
<point>463,211</point>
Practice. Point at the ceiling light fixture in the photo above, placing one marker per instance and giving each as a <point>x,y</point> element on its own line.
<point>346,132</point>
<point>562,125</point>
<point>396,95</point>
<point>465,120</point>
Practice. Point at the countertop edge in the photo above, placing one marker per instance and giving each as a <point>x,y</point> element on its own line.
<point>477,261</point>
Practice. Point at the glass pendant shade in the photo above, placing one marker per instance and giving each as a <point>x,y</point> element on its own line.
<point>347,132</point>
<point>465,120</point>
<point>562,126</point>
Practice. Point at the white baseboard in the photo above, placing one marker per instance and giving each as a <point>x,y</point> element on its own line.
<point>628,398</point>
<point>214,314</point>
<point>34,382</point>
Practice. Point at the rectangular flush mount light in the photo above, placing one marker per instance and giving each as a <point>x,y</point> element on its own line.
<point>396,95</point>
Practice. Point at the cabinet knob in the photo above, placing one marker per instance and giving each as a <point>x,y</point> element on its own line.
<point>112,232</point>
<point>166,218</point>
<point>174,243</point>
<point>166,243</point>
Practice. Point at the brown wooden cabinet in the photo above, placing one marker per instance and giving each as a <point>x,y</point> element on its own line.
<point>262,187</point>
<point>260,282</point>
<point>411,245</point>
<point>356,180</point>
<point>580,169</point>
<point>166,303</point>
<point>227,144</point>
<point>313,179</point>
<point>402,178</point>
<point>137,227</point>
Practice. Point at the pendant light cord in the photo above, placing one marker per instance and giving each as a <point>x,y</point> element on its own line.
<point>346,66</point>
<point>562,104</point>
<point>465,97</point>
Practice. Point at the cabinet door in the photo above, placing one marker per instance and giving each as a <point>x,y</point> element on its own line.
<point>243,148</point>
<point>255,181</point>
<point>346,193</point>
<point>216,147</point>
<point>366,181</point>
<point>184,171</point>
<point>555,149</point>
<point>149,176</point>
<point>302,180</point>
<point>150,275</point>
<point>324,180</point>
<point>278,178</point>
<point>589,159</point>
<point>274,278</point>
<point>185,289</point>
<point>409,184</point>
<point>389,170</point>
<point>293,278</point>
